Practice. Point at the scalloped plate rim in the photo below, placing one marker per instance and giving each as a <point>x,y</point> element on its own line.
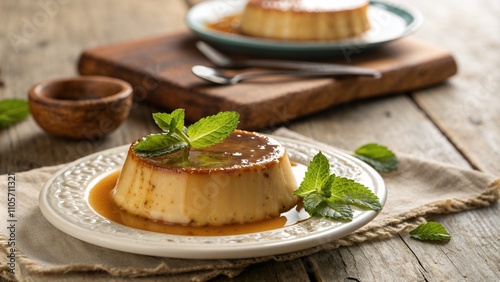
<point>209,251</point>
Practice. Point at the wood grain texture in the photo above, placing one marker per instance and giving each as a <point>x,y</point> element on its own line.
<point>392,121</point>
<point>467,112</point>
<point>293,270</point>
<point>51,50</point>
<point>456,122</point>
<point>160,70</point>
<point>400,124</point>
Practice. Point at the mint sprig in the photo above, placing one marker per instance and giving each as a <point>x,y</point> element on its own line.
<point>212,130</point>
<point>159,144</point>
<point>430,231</point>
<point>175,136</point>
<point>377,156</point>
<point>13,111</point>
<point>332,196</point>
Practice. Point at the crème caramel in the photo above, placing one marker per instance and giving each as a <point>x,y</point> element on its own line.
<point>246,178</point>
<point>305,20</point>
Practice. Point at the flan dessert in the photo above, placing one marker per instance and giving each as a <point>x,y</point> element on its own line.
<point>305,20</point>
<point>245,178</point>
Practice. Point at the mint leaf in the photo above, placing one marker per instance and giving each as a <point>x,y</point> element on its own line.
<point>167,122</point>
<point>354,193</point>
<point>316,176</point>
<point>379,157</point>
<point>332,196</point>
<point>312,200</point>
<point>430,231</point>
<point>176,136</point>
<point>155,145</point>
<point>12,111</point>
<point>335,210</point>
<point>326,190</point>
<point>213,129</point>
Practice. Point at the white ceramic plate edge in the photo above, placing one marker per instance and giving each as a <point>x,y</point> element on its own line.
<point>210,251</point>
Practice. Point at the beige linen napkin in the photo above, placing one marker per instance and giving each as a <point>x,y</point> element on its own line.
<point>419,188</point>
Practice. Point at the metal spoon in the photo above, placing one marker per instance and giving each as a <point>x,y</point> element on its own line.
<point>215,76</point>
<point>223,61</point>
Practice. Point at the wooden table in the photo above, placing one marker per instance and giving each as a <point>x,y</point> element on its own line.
<point>456,122</point>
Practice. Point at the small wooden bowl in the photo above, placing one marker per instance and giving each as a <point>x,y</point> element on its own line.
<point>84,107</point>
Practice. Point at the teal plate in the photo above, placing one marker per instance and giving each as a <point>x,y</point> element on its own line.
<point>388,23</point>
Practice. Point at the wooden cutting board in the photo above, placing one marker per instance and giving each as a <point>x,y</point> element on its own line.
<point>160,71</point>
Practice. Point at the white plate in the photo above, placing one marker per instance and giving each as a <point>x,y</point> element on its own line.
<point>64,202</point>
<point>388,22</point>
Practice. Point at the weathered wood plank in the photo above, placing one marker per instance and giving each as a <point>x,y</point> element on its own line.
<point>470,255</point>
<point>271,271</point>
<point>394,122</point>
<point>377,261</point>
<point>51,50</point>
<point>467,112</point>
<point>400,124</point>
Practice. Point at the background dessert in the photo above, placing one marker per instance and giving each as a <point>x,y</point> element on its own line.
<point>305,19</point>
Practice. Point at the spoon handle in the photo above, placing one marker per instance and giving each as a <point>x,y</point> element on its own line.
<point>223,61</point>
<point>301,65</point>
<point>309,72</point>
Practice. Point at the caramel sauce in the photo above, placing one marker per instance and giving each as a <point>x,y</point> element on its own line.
<point>240,149</point>
<point>228,24</point>
<point>101,201</point>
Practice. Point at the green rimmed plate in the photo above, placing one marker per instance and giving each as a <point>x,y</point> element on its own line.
<point>389,22</point>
